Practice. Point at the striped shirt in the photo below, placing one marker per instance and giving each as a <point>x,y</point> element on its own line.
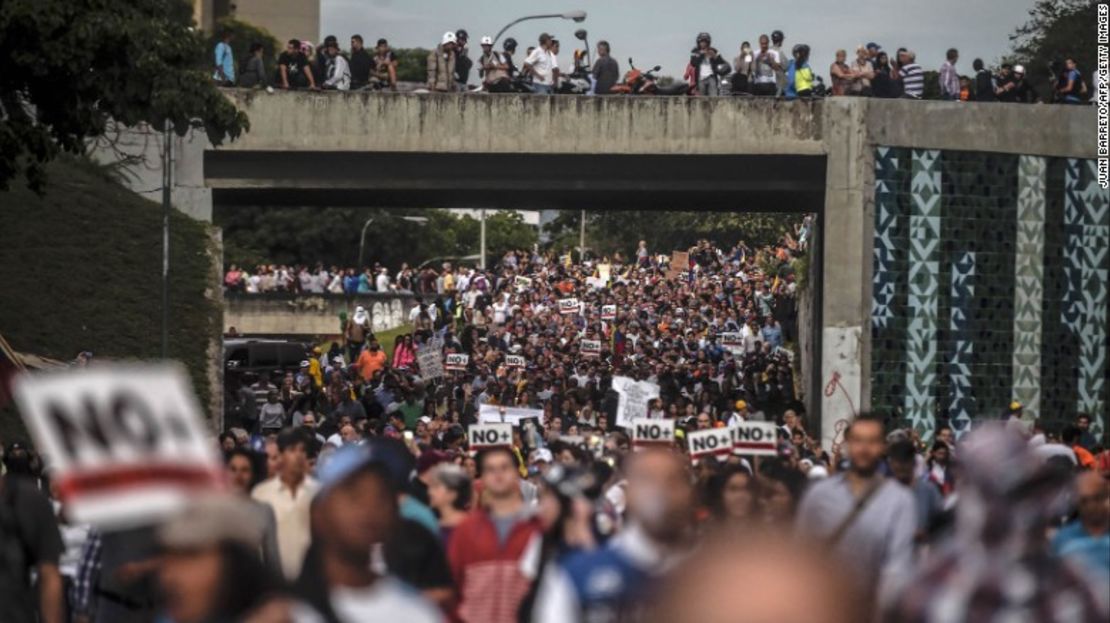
<point>913,80</point>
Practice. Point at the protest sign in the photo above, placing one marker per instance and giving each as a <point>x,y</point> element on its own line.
<point>757,438</point>
<point>608,312</point>
<point>126,443</point>
<point>522,284</point>
<point>488,414</point>
<point>457,362</point>
<point>568,306</point>
<point>430,360</point>
<point>652,432</point>
<point>634,397</point>
<point>515,361</point>
<point>490,436</point>
<point>732,342</point>
<point>709,442</point>
<point>591,348</point>
<point>605,272</point>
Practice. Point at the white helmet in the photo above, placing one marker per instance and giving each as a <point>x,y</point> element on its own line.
<point>448,37</point>
<point>1019,69</point>
<point>487,40</point>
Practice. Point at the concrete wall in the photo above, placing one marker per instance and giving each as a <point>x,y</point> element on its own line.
<point>138,151</point>
<point>277,314</point>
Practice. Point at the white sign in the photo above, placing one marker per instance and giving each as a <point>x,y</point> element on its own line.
<point>515,361</point>
<point>522,283</point>
<point>457,362</point>
<point>758,438</point>
<point>732,342</point>
<point>126,442</point>
<point>591,348</point>
<point>634,398</point>
<point>490,436</point>
<point>652,432</point>
<point>608,312</point>
<point>568,306</point>
<point>708,442</point>
<point>488,414</point>
<point>430,360</point>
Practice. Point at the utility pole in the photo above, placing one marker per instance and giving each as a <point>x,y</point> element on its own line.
<point>482,237</point>
<point>167,184</point>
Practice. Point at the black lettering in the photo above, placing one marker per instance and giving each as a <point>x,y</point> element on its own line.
<point>134,421</point>
<point>78,429</point>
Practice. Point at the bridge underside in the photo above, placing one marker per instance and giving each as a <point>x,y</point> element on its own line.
<point>742,183</point>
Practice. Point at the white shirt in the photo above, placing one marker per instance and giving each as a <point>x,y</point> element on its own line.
<point>543,63</point>
<point>382,283</point>
<point>339,73</point>
<point>291,513</point>
<point>705,70</point>
<point>387,599</point>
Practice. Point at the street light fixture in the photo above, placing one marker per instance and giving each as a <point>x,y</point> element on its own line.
<point>362,237</point>
<point>577,16</point>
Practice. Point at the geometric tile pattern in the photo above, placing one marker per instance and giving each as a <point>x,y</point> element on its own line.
<point>961,400</point>
<point>1029,284</point>
<point>1094,268</point>
<point>921,339</point>
<point>991,283</point>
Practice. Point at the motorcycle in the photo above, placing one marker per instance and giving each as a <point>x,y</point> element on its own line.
<point>578,82</point>
<point>639,82</point>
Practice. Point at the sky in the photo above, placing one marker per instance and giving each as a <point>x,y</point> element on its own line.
<point>661,32</point>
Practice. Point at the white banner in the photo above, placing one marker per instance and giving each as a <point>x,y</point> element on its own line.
<point>490,436</point>
<point>568,306</point>
<point>608,312</point>
<point>126,442</point>
<point>457,362</point>
<point>652,432</point>
<point>591,348</point>
<point>513,415</point>
<point>707,442</point>
<point>430,360</point>
<point>634,398</point>
<point>515,361</point>
<point>758,438</point>
<point>732,342</point>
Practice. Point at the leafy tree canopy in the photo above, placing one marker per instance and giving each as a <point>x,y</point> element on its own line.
<point>73,65</point>
<point>1057,29</point>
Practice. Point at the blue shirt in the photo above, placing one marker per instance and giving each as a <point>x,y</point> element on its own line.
<point>224,61</point>
<point>772,335</point>
<point>1073,541</point>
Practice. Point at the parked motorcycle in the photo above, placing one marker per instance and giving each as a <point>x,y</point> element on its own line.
<point>639,82</point>
<point>578,82</point>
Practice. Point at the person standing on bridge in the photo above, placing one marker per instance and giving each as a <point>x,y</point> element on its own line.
<point>441,65</point>
<point>338,70</point>
<point>293,69</point>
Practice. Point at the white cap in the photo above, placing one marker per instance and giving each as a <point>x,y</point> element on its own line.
<point>1019,69</point>
<point>487,40</point>
<point>448,37</point>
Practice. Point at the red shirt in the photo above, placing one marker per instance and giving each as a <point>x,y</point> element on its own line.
<point>488,574</point>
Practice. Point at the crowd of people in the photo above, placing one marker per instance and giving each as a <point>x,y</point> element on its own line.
<point>356,494</point>
<point>769,69</point>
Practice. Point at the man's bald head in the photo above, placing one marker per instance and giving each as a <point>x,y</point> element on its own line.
<point>1093,493</point>
<point>660,494</point>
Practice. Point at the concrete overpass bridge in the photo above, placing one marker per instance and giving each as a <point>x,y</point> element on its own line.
<point>961,259</point>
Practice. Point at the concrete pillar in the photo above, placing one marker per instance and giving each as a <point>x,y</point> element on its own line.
<point>846,243</point>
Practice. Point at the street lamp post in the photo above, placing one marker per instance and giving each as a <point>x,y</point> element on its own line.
<point>362,237</point>
<point>577,16</point>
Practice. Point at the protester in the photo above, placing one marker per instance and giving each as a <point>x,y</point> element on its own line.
<point>384,66</point>
<point>293,68</point>
<point>225,61</point>
<point>767,65</point>
<point>254,73</point>
<point>866,519</point>
<point>708,66</point>
<point>441,65</point>
<point>605,73</point>
<point>949,77</point>
<point>543,66</point>
<point>289,494</point>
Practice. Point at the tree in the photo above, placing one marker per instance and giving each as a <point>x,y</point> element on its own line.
<point>412,64</point>
<point>1057,29</point>
<point>72,66</point>
<point>243,36</point>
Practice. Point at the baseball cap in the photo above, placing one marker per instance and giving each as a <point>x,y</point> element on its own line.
<point>352,459</point>
<point>541,455</point>
<point>214,518</point>
<point>448,37</point>
<point>1019,69</point>
<point>873,45</point>
<point>487,40</point>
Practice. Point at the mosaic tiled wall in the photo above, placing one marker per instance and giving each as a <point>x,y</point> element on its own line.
<point>990,286</point>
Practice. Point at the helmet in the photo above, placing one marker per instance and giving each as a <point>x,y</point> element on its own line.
<point>801,47</point>
<point>1019,69</point>
<point>704,36</point>
<point>461,34</point>
<point>510,44</point>
<point>777,36</point>
<point>487,40</point>
<point>448,37</point>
